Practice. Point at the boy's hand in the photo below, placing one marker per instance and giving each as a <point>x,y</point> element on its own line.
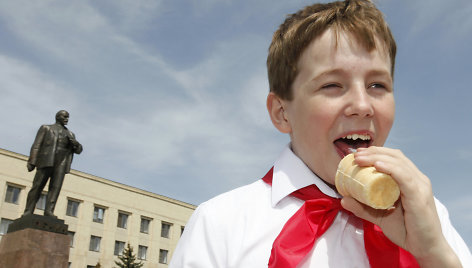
<point>414,223</point>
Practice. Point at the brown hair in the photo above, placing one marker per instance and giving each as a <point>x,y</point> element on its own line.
<point>359,17</point>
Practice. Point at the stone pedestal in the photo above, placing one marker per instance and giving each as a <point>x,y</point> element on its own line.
<point>35,241</point>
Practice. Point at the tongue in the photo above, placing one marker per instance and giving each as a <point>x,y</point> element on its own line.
<point>346,145</point>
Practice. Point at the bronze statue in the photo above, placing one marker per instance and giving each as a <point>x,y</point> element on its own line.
<point>51,154</point>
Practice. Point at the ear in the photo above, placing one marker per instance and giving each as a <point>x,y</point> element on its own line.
<point>277,113</point>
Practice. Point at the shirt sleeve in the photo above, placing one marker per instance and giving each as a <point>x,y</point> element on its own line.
<point>453,237</point>
<point>201,244</point>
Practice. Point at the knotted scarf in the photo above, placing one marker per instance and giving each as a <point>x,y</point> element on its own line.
<point>299,234</point>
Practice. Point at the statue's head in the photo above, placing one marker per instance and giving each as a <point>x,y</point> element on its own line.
<point>62,117</point>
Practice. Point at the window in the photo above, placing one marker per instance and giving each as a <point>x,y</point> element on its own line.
<point>142,250</point>
<point>72,208</point>
<point>163,256</point>
<point>41,204</point>
<point>122,220</point>
<point>119,247</point>
<point>71,235</point>
<point>165,229</point>
<point>98,214</point>
<point>4,223</point>
<point>95,243</point>
<point>145,225</point>
<point>13,194</point>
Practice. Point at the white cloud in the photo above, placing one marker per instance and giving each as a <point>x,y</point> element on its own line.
<point>130,15</point>
<point>29,92</point>
<point>77,34</point>
<point>253,99</point>
<point>53,28</point>
<point>169,127</point>
<point>453,16</point>
<point>460,21</point>
<point>201,7</point>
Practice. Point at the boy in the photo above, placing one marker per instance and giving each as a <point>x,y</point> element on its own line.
<point>331,89</point>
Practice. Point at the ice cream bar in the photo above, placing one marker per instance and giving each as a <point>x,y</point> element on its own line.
<point>366,184</point>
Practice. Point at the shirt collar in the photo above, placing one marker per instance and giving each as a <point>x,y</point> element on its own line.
<point>291,174</point>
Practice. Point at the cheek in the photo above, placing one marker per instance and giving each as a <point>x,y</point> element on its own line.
<point>305,122</point>
<point>321,121</point>
<point>312,122</point>
<point>385,117</point>
<point>389,112</point>
<point>326,116</point>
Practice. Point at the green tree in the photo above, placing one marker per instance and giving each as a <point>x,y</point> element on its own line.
<point>128,259</point>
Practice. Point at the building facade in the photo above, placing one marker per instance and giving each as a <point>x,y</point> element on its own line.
<point>103,216</point>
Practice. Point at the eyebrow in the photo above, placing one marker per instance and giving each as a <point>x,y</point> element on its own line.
<point>377,72</point>
<point>381,73</point>
<point>329,72</point>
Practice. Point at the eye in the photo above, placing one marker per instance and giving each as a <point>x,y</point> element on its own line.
<point>376,85</point>
<point>379,86</point>
<point>331,86</point>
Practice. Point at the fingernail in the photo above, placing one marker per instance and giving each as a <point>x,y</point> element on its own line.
<point>360,152</point>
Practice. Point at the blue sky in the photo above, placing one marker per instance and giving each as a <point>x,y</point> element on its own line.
<point>169,96</point>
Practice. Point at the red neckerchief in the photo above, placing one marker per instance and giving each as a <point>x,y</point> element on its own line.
<point>315,216</point>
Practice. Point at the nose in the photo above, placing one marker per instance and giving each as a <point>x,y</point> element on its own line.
<point>359,102</point>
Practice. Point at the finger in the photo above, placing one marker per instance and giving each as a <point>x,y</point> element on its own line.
<point>410,180</point>
<point>372,150</point>
<point>403,171</point>
<point>371,155</point>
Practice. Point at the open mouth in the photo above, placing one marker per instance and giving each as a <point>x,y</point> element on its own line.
<point>346,144</point>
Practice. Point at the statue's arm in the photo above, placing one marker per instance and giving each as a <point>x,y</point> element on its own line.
<point>35,148</point>
<point>76,146</point>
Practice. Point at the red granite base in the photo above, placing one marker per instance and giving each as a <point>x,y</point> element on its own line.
<point>34,248</point>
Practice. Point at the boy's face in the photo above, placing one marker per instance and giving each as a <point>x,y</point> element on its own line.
<point>342,99</point>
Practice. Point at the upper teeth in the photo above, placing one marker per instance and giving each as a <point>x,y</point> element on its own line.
<point>357,136</point>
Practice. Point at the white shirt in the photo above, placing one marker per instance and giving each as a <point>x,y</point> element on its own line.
<point>237,228</point>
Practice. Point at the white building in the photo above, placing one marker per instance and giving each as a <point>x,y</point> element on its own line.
<point>102,215</point>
